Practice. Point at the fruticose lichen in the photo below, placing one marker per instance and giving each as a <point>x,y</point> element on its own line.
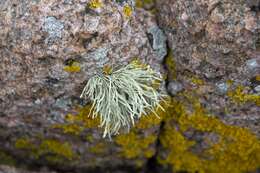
<point>122,96</point>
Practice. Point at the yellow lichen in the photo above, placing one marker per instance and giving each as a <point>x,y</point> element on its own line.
<point>99,148</point>
<point>22,143</point>
<point>237,150</point>
<point>171,66</point>
<point>72,68</point>
<point>142,3</point>
<point>146,3</point>
<point>58,149</point>
<point>127,11</point>
<point>152,119</point>
<point>196,80</point>
<point>94,4</point>
<point>257,78</point>
<point>133,146</point>
<point>239,96</point>
<point>107,69</point>
<point>77,123</point>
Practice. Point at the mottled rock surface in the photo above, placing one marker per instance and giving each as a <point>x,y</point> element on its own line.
<point>218,43</point>
<point>8,169</point>
<point>208,50</point>
<point>48,51</point>
<point>215,55</point>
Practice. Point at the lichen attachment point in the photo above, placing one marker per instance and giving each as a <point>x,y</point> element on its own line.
<point>122,96</point>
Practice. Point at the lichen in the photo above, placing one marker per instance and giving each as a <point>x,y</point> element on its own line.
<point>257,78</point>
<point>98,148</point>
<point>123,96</point>
<point>94,4</point>
<point>72,68</point>
<point>237,149</point>
<point>50,149</point>
<point>75,124</point>
<point>171,66</point>
<point>142,3</point>
<point>133,145</point>
<point>240,96</point>
<point>196,80</point>
<point>152,119</point>
<point>127,10</point>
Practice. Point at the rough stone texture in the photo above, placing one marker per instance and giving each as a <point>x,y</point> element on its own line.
<point>217,42</point>
<point>8,169</point>
<point>215,55</point>
<point>48,50</point>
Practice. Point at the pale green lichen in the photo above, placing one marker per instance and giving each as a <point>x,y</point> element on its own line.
<point>121,96</point>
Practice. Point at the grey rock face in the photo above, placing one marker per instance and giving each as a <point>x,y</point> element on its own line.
<point>158,42</point>
<point>174,87</point>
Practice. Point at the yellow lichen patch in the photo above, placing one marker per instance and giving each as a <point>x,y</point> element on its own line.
<point>127,10</point>
<point>197,81</point>
<point>239,96</point>
<point>138,64</point>
<point>75,124</point>
<point>56,147</point>
<point>107,69</point>
<point>171,66</point>
<point>134,146</point>
<point>95,4</point>
<point>72,68</point>
<point>142,3</point>
<point>257,78</point>
<point>237,150</point>
<point>84,116</point>
<point>69,128</point>
<point>99,148</point>
<point>152,119</point>
<point>58,150</point>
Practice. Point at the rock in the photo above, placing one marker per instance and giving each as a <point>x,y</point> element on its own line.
<point>215,51</point>
<point>215,42</point>
<point>8,169</point>
<point>174,87</point>
<point>222,87</point>
<point>49,50</point>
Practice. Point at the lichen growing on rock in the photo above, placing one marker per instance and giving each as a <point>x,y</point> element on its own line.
<point>75,124</point>
<point>52,150</point>
<point>73,67</point>
<point>235,150</point>
<point>133,146</point>
<point>239,96</point>
<point>95,4</point>
<point>122,96</point>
